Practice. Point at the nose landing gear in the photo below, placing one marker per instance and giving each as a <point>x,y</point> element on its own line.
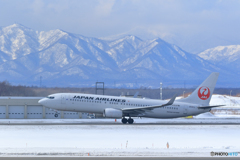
<point>56,115</point>
<point>129,120</point>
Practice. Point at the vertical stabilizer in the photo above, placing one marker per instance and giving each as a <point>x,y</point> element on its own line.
<point>203,94</point>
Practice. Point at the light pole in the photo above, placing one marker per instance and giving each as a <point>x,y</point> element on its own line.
<point>230,96</point>
<point>183,94</point>
<point>161,90</point>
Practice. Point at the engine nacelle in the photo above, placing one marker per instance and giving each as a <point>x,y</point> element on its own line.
<point>112,113</point>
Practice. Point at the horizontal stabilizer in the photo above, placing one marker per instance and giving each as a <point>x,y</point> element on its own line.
<point>206,107</point>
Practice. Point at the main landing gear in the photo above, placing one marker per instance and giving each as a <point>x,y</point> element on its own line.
<point>129,120</point>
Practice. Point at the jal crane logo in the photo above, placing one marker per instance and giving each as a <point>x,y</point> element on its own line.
<point>204,93</point>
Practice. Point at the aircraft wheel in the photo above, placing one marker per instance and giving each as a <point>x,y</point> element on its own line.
<point>124,120</point>
<point>130,121</point>
<point>56,115</point>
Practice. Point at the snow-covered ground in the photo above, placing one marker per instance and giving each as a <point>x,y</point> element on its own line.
<point>92,139</point>
<point>118,140</point>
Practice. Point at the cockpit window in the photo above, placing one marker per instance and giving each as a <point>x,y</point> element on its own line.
<point>50,97</point>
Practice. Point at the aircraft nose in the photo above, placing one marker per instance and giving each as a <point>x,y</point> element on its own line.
<point>43,101</point>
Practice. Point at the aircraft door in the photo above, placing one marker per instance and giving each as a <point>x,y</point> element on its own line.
<point>63,99</point>
<point>71,100</point>
<point>185,110</point>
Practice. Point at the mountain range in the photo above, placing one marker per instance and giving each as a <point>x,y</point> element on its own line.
<point>224,56</point>
<point>62,58</point>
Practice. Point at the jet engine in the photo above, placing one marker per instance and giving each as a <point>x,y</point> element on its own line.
<point>112,113</point>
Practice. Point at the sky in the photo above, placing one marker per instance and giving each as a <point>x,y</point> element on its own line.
<point>194,25</point>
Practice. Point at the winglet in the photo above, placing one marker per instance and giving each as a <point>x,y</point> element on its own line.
<point>135,95</point>
<point>172,100</point>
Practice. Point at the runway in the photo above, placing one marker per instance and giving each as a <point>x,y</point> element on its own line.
<point>117,122</point>
<point>233,120</point>
<point>120,124</point>
<point>113,158</point>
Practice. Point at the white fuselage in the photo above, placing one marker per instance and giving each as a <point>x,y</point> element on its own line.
<point>91,103</point>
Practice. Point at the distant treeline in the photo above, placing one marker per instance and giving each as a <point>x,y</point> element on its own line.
<point>6,89</point>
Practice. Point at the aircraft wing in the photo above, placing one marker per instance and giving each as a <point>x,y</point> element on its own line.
<point>208,107</point>
<point>139,110</point>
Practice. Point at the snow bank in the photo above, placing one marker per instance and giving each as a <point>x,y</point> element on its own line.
<point>108,152</point>
<point>228,101</point>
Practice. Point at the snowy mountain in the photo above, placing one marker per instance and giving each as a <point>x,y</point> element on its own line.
<point>225,56</point>
<point>66,59</point>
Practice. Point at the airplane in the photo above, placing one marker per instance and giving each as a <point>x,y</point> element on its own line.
<point>122,107</point>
